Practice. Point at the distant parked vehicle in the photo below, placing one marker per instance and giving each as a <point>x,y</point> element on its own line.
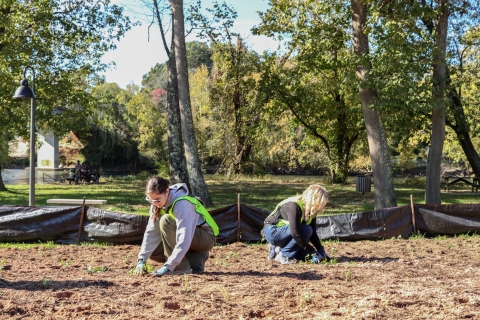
<point>85,175</point>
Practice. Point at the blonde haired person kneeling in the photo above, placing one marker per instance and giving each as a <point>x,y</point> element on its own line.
<point>291,227</point>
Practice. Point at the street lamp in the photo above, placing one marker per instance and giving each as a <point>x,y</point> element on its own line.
<point>24,92</point>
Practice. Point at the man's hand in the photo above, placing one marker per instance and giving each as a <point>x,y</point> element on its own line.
<point>160,272</point>
<point>140,268</point>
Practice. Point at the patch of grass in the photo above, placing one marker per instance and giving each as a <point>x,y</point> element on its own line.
<point>27,246</point>
<point>330,241</point>
<point>441,238</point>
<point>333,251</point>
<point>96,244</point>
<point>416,236</point>
<point>467,235</point>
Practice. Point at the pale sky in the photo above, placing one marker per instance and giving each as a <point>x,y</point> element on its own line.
<point>136,54</point>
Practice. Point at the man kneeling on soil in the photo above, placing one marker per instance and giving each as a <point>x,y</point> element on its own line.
<point>186,229</point>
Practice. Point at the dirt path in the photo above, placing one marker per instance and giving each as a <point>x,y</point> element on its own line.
<point>389,279</point>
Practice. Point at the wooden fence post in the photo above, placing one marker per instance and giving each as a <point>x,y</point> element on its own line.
<point>238,217</point>
<point>413,214</point>
<point>81,222</point>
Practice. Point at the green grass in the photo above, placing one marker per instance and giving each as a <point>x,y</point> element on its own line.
<point>126,195</point>
<point>26,246</point>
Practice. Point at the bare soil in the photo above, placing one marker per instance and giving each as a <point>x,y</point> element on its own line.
<point>389,279</point>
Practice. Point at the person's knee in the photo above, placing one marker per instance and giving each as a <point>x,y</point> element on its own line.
<point>166,221</point>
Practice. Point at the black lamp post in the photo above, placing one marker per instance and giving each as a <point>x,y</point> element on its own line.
<point>24,92</point>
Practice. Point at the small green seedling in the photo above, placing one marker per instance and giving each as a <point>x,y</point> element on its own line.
<point>348,275</point>
<point>2,264</point>
<point>305,298</point>
<point>46,282</point>
<point>147,268</point>
<point>91,269</point>
<point>416,236</point>
<point>185,283</point>
<point>232,254</point>
<point>332,261</point>
<point>65,263</point>
<point>224,293</point>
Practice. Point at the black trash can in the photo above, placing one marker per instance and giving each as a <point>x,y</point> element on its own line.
<point>363,184</point>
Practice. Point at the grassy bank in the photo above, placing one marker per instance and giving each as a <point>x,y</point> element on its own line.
<point>126,194</point>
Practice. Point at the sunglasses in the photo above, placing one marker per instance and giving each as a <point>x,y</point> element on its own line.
<point>153,201</point>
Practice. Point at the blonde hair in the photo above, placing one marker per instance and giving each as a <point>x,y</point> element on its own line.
<point>314,200</point>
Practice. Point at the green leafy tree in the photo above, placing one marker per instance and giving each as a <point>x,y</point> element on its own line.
<point>111,135</point>
<point>64,42</point>
<point>314,80</point>
<point>234,85</point>
<point>198,54</point>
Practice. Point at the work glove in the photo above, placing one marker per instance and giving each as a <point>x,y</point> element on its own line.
<point>315,257</point>
<point>323,255</point>
<point>160,272</point>
<point>140,268</point>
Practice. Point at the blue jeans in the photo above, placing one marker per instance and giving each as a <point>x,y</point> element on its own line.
<point>282,237</point>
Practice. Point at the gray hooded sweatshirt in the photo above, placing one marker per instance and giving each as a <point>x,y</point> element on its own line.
<point>186,218</point>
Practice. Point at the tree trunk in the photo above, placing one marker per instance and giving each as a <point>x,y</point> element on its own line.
<point>2,185</point>
<point>434,161</point>
<point>197,181</point>
<point>384,192</point>
<point>176,152</point>
<point>243,147</point>
<point>462,129</point>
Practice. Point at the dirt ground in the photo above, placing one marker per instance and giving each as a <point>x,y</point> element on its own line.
<point>389,279</point>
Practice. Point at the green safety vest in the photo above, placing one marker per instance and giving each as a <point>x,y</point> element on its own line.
<point>200,209</point>
<point>282,222</point>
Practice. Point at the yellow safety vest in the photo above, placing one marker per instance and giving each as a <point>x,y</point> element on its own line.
<point>200,209</point>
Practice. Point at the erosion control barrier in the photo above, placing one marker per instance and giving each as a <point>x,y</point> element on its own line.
<point>239,222</point>
<point>61,224</point>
